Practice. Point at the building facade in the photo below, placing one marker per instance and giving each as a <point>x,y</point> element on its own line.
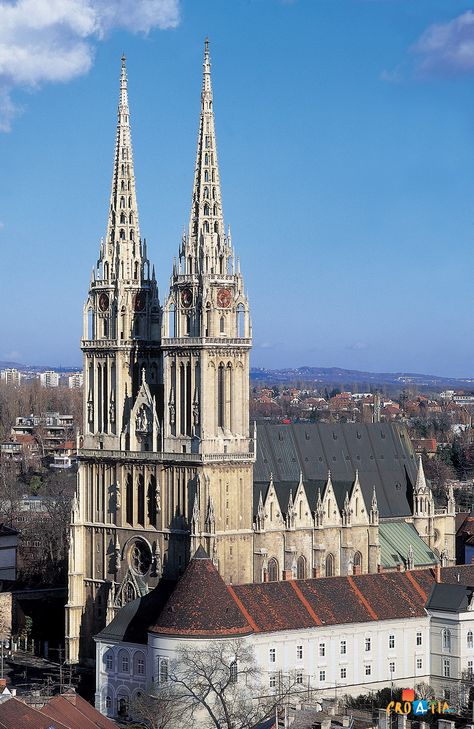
<point>168,459</point>
<point>340,635</point>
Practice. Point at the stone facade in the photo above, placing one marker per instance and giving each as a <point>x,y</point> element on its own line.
<point>167,453</point>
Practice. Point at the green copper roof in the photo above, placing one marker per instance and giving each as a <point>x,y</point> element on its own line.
<point>395,540</point>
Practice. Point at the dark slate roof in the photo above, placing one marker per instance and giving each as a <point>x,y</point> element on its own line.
<point>381,452</point>
<point>201,604</point>
<point>132,621</point>
<point>449,598</point>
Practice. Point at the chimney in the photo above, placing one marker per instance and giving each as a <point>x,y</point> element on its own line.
<point>438,572</point>
<point>379,568</point>
<point>317,571</point>
<point>399,567</point>
<point>265,576</point>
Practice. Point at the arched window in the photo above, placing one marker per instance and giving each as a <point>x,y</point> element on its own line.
<point>222,325</point>
<point>206,192</point>
<point>122,218</point>
<point>357,563</point>
<point>132,234</point>
<point>135,271</point>
<point>206,159</point>
<point>130,218</point>
<point>213,193</point>
<point>470,642</point>
<point>273,571</point>
<point>240,321</point>
<point>330,569</point>
<point>122,705</point>
<point>122,185</point>
<point>206,176</point>
<point>301,568</point>
<point>220,395</point>
<point>446,640</point>
<point>214,212</point>
<point>130,593</point>
<point>139,664</point>
<point>109,660</point>
<point>216,227</point>
<point>124,661</point>
<point>233,672</point>
<point>206,209</point>
<point>206,227</point>
<point>106,271</point>
<point>122,234</point>
<point>108,702</point>
<point>122,202</point>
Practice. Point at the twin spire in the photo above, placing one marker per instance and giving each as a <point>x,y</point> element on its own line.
<point>206,242</point>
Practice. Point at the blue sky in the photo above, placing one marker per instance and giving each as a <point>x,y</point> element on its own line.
<point>345,131</point>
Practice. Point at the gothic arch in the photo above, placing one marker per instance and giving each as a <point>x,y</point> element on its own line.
<point>301,568</point>
<point>273,570</point>
<point>357,563</point>
<point>330,565</point>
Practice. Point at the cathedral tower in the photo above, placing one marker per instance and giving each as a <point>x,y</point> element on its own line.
<point>206,341</point>
<point>117,494</point>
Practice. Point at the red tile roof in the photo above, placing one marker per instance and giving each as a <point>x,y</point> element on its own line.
<point>203,605</point>
<point>14,714</point>
<point>75,713</point>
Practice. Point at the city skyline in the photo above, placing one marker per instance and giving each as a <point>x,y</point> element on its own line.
<point>367,181</point>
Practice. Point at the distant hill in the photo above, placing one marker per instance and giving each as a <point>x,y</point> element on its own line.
<point>36,368</point>
<point>339,376</point>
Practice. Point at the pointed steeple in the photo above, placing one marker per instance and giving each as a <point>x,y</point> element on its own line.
<point>122,250</point>
<point>206,238</point>
<point>420,485</point>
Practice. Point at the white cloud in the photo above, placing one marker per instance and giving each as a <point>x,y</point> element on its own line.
<point>448,46</point>
<point>47,41</point>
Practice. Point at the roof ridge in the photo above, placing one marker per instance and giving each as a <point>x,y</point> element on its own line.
<point>415,584</point>
<point>243,610</point>
<point>361,597</point>
<point>305,602</point>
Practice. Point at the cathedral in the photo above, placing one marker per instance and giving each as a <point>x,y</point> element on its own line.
<point>168,460</point>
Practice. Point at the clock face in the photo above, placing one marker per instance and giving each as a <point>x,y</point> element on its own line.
<point>103,302</point>
<point>139,301</point>
<point>186,298</point>
<point>224,297</point>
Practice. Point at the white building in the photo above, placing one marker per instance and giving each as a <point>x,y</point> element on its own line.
<point>353,634</point>
<point>451,608</point>
<point>75,380</point>
<point>10,376</point>
<point>49,378</point>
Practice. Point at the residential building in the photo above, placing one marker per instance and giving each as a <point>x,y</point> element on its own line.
<point>75,380</point>
<point>10,376</point>
<point>49,378</point>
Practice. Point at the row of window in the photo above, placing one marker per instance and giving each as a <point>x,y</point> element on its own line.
<point>447,642</point>
<point>343,647</point>
<point>123,662</point>
<point>299,676</point>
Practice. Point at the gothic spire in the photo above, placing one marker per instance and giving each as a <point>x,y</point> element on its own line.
<point>123,243</point>
<point>206,224</point>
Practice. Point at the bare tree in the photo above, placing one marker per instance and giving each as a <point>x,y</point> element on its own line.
<point>11,492</point>
<point>154,712</point>
<point>220,687</point>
